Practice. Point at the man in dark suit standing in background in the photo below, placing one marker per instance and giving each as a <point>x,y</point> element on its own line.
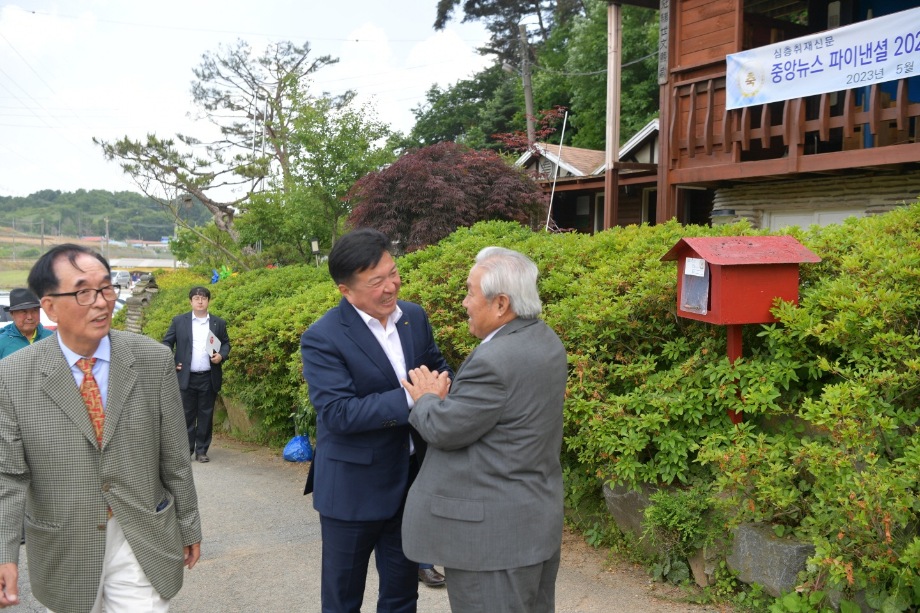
<point>353,360</point>
<point>487,503</point>
<point>195,336</point>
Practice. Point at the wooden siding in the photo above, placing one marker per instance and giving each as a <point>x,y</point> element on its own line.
<point>706,32</point>
<point>697,128</point>
<point>630,212</point>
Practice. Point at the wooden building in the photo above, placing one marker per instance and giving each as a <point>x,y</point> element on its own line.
<point>813,159</point>
<point>573,180</point>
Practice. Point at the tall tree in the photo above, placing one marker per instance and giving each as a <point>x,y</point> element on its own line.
<point>455,112</point>
<point>501,18</point>
<point>191,248</point>
<point>429,193</point>
<point>248,98</point>
<point>587,73</point>
<point>569,69</point>
<point>332,143</point>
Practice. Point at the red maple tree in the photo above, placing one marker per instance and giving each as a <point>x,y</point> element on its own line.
<point>430,192</point>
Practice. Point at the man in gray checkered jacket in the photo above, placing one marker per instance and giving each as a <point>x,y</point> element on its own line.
<point>111,516</point>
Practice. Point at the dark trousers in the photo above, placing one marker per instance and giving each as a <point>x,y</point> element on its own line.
<point>198,402</point>
<point>347,547</point>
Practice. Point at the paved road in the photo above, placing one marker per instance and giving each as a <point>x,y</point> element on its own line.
<point>261,551</point>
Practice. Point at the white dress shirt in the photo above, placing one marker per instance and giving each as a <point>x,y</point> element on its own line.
<point>201,361</point>
<point>388,339</point>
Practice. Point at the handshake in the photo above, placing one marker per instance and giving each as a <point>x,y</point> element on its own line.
<point>424,381</point>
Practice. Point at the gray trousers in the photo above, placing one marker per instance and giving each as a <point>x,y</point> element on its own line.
<point>527,589</point>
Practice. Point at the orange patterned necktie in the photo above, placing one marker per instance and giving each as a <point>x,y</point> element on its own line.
<point>89,389</point>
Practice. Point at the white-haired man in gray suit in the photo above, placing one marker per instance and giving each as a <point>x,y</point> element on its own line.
<point>487,504</point>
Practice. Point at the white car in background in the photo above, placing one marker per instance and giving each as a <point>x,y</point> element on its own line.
<point>122,278</point>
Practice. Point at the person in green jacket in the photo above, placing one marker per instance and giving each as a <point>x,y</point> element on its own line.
<point>26,327</point>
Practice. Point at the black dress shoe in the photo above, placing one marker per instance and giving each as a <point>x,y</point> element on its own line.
<point>430,577</point>
<point>202,457</point>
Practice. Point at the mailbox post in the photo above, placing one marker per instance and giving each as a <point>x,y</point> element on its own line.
<point>734,280</point>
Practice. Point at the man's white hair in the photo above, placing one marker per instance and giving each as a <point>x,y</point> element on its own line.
<point>512,274</point>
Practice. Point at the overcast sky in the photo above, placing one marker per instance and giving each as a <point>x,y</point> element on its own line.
<point>74,69</point>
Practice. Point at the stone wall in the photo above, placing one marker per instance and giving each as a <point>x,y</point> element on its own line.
<point>754,552</point>
<point>145,289</point>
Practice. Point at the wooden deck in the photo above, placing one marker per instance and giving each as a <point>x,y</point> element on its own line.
<point>817,134</point>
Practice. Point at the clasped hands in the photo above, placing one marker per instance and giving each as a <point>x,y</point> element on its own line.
<point>424,381</point>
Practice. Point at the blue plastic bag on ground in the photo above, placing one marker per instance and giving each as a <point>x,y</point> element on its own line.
<point>298,449</point>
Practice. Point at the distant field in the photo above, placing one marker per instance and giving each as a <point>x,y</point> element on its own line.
<point>14,267</point>
<point>13,278</point>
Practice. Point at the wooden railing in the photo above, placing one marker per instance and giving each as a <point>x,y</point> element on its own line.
<point>780,137</point>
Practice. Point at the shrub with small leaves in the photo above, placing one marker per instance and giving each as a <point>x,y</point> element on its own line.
<point>678,522</point>
<point>827,450</point>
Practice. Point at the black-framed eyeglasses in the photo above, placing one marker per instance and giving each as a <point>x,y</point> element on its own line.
<point>86,297</point>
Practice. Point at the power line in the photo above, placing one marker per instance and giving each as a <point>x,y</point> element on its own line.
<point>140,225</point>
<point>26,62</point>
<point>234,32</point>
<point>593,72</point>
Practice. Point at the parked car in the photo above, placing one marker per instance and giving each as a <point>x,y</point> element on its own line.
<point>122,278</point>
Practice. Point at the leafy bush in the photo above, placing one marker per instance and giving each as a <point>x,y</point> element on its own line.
<point>266,312</point>
<point>841,470</point>
<point>677,522</point>
<point>827,450</point>
<point>172,299</point>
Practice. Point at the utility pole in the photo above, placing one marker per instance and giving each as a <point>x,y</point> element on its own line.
<point>107,238</point>
<point>612,146</point>
<point>43,234</point>
<point>528,88</point>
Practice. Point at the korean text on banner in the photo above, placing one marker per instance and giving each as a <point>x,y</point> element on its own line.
<point>877,50</point>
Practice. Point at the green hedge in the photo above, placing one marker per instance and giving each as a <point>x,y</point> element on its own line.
<point>827,449</point>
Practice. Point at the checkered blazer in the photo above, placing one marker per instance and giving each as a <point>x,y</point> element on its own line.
<point>53,471</point>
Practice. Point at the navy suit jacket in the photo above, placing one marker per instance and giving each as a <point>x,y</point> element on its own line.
<point>179,337</point>
<point>361,464</point>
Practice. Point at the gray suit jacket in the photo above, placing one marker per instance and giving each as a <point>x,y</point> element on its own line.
<point>489,493</point>
<point>53,471</point>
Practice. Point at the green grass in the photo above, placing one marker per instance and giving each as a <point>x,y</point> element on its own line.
<point>13,278</point>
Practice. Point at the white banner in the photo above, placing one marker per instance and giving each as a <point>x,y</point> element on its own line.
<point>883,49</point>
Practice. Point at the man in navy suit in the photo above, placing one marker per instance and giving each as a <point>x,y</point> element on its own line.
<point>366,457</point>
<point>198,366</point>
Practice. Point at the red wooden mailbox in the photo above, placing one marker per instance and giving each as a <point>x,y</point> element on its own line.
<point>735,280</point>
